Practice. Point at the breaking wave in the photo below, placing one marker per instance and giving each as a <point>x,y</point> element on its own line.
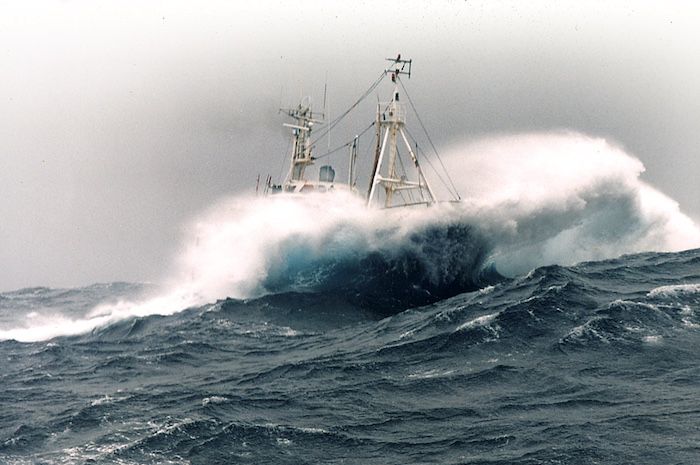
<point>531,200</point>
<point>564,198</point>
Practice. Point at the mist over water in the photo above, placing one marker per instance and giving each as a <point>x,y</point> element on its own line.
<point>529,200</point>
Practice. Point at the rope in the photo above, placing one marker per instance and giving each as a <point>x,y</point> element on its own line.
<point>332,124</point>
<point>331,152</point>
<point>426,158</point>
<point>347,144</point>
<point>429,139</point>
<point>284,159</point>
<point>405,173</point>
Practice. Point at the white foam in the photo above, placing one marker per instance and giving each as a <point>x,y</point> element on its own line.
<point>102,400</point>
<point>313,430</point>
<point>483,320</point>
<point>214,400</point>
<point>675,290</point>
<point>51,325</point>
<point>540,199</point>
<point>563,198</point>
<point>487,290</point>
<point>584,331</point>
<point>266,329</point>
<point>428,374</point>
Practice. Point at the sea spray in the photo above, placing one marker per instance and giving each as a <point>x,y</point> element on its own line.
<point>562,198</point>
<point>530,200</point>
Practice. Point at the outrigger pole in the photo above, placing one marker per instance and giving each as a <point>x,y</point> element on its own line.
<point>390,125</point>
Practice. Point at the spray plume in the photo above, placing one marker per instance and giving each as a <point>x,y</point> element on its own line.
<point>531,200</point>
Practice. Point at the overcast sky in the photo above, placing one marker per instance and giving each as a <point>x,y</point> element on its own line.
<point>122,120</point>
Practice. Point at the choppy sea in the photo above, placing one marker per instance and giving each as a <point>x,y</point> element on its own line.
<point>528,324</point>
<point>592,363</point>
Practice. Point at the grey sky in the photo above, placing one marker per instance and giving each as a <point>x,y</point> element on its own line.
<point>122,120</point>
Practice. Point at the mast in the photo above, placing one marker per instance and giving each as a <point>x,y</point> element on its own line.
<point>353,161</point>
<point>396,170</point>
<point>390,137</point>
<point>377,151</point>
<point>301,142</point>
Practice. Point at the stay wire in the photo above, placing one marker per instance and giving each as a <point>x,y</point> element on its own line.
<point>410,101</point>
<point>427,159</point>
<point>333,123</point>
<point>347,144</point>
<point>284,159</point>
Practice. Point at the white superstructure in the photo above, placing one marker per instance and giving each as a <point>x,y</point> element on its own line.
<point>396,179</point>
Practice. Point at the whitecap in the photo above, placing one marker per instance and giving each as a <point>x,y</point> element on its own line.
<point>676,290</point>
<point>483,320</point>
<point>430,374</point>
<point>653,339</point>
<point>214,400</point>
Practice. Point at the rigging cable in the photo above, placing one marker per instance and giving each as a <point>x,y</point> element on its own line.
<point>333,123</point>
<point>347,144</point>
<point>284,159</point>
<point>404,175</point>
<point>430,163</point>
<point>429,139</point>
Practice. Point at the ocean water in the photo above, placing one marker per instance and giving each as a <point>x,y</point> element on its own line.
<point>529,324</point>
<point>593,363</point>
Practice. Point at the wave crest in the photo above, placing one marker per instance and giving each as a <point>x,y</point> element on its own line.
<point>532,200</point>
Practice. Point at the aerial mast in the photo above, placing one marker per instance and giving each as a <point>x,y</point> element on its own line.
<point>301,142</point>
<point>352,179</point>
<point>391,118</point>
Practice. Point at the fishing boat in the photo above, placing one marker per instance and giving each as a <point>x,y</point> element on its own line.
<point>396,179</point>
